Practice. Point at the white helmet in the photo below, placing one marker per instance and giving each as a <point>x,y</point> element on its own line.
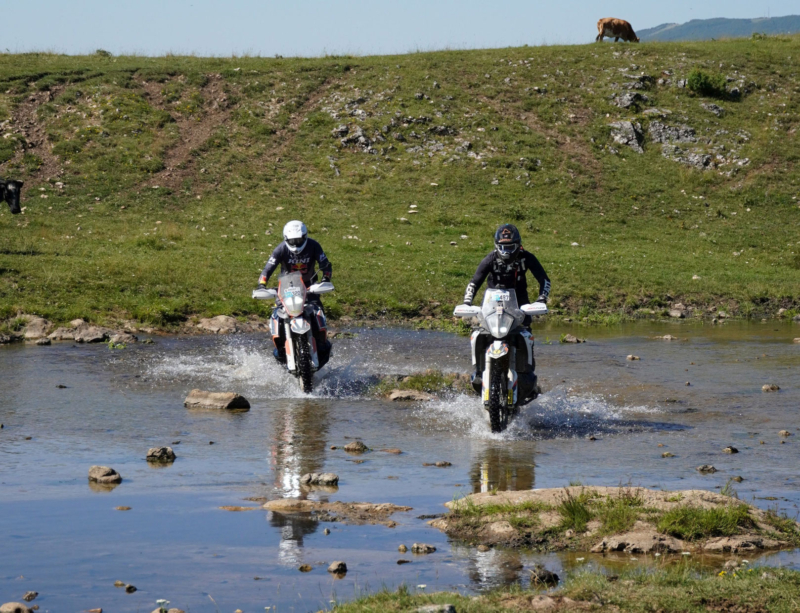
<point>295,234</point>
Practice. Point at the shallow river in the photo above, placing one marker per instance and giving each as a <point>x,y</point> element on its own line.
<point>65,540</point>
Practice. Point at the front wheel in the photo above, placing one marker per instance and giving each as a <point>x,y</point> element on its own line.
<point>304,366</point>
<point>498,396</point>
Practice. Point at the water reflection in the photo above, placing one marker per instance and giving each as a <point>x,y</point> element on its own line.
<point>298,447</point>
<point>503,466</point>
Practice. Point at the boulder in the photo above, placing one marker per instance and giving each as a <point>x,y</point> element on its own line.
<point>199,399</point>
<point>629,134</point>
<point>337,568</point>
<point>666,337</point>
<point>320,479</point>
<point>422,548</point>
<point>740,544</point>
<point>770,387</point>
<point>30,596</point>
<point>629,99</point>
<point>86,333</point>
<point>644,540</point>
<point>784,433</point>
<point>662,133</point>
<point>160,454</point>
<point>706,469</point>
<point>713,108</point>
<point>44,341</point>
<point>8,338</point>
<point>123,338</point>
<point>633,358</point>
<point>797,340</point>
<point>62,334</point>
<point>76,323</point>
<point>356,447</point>
<point>677,313</point>
<point>221,324</point>
<point>730,449</point>
<point>36,328</point>
<point>410,396</point>
<point>104,475</point>
<point>14,607</point>
<point>569,338</point>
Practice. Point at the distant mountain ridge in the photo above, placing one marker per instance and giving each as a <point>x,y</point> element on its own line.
<point>706,29</point>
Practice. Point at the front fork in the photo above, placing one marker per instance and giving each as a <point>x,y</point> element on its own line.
<point>295,328</point>
<point>494,353</point>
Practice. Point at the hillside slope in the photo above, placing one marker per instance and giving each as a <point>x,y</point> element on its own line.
<point>157,187</point>
<point>707,29</point>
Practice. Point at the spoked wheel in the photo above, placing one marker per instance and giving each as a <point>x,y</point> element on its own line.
<point>499,411</point>
<point>304,365</point>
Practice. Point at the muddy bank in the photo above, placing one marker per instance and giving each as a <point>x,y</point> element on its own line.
<point>605,519</point>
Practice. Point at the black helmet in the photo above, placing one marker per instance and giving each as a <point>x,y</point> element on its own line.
<point>507,241</point>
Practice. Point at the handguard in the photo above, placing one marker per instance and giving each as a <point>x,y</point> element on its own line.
<point>465,310</point>
<point>265,294</point>
<point>536,308</point>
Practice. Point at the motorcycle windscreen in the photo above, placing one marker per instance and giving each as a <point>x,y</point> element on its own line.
<point>497,322</point>
<point>292,292</point>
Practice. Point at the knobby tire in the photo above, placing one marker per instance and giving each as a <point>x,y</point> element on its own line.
<point>498,396</point>
<point>304,365</point>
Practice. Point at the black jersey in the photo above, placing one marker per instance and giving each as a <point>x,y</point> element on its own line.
<point>509,275</point>
<point>304,262</point>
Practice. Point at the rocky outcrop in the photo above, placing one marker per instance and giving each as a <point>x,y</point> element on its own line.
<point>36,328</point>
<point>199,399</point>
<point>644,539</point>
<point>741,544</point>
<point>104,475</point>
<point>87,333</point>
<point>662,133</point>
<point>629,134</point>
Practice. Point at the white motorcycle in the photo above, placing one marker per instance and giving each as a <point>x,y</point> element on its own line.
<point>503,351</point>
<point>302,357</point>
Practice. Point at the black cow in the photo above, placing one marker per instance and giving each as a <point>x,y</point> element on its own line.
<point>10,191</point>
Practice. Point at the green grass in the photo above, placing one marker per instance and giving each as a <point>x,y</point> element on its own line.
<point>430,381</point>
<point>670,589</point>
<point>619,514</point>
<point>694,523</point>
<point>249,142</point>
<point>575,512</point>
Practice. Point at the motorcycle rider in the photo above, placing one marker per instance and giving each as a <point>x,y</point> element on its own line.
<point>298,253</point>
<point>505,268</point>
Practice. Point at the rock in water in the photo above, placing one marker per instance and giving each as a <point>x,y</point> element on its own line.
<point>104,474</point>
<point>770,387</point>
<point>160,454</point>
<point>44,341</point>
<point>409,395</point>
<point>541,576</point>
<point>338,568</point>
<point>130,589</point>
<point>30,596</point>
<point>402,549</point>
<point>320,479</point>
<point>221,324</point>
<point>305,568</point>
<point>91,334</point>
<point>730,449</point>
<point>784,433</point>
<point>14,607</point>
<point>422,548</point>
<point>633,358</point>
<point>706,468</point>
<point>199,399</point>
<point>356,447</point>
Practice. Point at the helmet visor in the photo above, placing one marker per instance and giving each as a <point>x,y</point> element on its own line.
<point>296,242</point>
<point>507,248</point>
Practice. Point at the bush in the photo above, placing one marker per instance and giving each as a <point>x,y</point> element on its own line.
<point>706,84</point>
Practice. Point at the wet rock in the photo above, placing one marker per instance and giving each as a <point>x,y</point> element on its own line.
<point>221,324</point>
<point>160,454</point>
<point>737,478</point>
<point>338,568</point>
<point>402,549</point>
<point>666,337</point>
<point>392,450</point>
<point>713,108</point>
<point>436,608</point>
<point>740,543</point>
<point>677,313</point>
<point>130,589</point>
<point>122,508</point>
<point>305,568</point>
<point>483,548</point>
<point>629,99</point>
<point>123,338</point>
<point>199,399</point>
<point>667,454</point>
<point>104,475</point>
<point>409,395</point>
<point>784,433</point>
<point>402,561</point>
<point>86,333</point>
<point>119,583</point>
<point>5,339</point>
<point>43,341</point>
<point>319,479</point>
<point>62,334</point>
<point>633,358</point>
<point>730,449</point>
<point>356,447</point>
<point>706,469</point>
<point>30,596</point>
<point>770,387</point>
<point>326,531</point>
<point>422,548</point>
<point>14,607</point>
<point>353,513</point>
<point>541,576</point>
<point>629,134</point>
<point>36,328</point>
<point>569,338</point>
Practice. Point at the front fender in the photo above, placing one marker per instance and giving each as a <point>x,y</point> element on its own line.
<point>496,350</point>
<point>300,326</point>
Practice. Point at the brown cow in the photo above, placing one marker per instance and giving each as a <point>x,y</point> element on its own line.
<point>618,28</point>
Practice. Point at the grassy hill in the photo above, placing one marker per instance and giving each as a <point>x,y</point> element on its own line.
<point>155,188</point>
<point>707,29</point>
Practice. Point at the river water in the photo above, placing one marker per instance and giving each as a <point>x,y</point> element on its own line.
<point>65,540</point>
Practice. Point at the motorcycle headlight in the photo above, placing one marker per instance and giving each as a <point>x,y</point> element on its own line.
<point>293,305</point>
<point>500,324</point>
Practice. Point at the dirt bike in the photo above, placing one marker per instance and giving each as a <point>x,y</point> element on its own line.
<point>302,357</point>
<point>502,349</point>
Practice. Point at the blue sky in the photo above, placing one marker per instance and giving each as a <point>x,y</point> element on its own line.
<point>316,27</point>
